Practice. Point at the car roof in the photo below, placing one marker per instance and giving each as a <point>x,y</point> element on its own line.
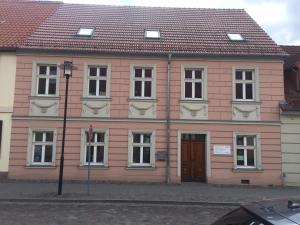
<point>276,211</point>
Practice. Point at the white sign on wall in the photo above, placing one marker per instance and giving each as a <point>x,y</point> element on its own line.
<point>222,149</point>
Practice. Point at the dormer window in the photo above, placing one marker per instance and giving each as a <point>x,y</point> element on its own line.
<point>85,31</point>
<point>152,34</point>
<point>235,37</point>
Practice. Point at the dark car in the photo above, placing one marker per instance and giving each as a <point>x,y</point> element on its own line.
<point>280,212</point>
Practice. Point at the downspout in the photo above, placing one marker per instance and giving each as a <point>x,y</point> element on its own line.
<point>168,180</point>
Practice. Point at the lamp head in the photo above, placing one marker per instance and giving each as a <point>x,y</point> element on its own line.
<point>68,67</point>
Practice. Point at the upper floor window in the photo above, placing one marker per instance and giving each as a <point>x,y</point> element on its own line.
<point>143,82</point>
<point>46,79</point>
<point>193,83</point>
<point>97,81</point>
<point>244,85</point>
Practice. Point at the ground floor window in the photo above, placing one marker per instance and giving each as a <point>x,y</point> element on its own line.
<point>42,147</point>
<point>246,151</point>
<point>98,147</point>
<point>141,150</point>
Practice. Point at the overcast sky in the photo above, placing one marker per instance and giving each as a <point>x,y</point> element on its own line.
<point>279,18</point>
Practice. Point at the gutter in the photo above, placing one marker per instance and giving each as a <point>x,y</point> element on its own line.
<point>168,180</point>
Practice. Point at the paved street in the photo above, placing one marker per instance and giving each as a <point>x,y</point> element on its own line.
<point>108,214</point>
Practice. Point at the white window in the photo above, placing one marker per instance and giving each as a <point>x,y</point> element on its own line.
<point>247,151</point>
<point>141,152</point>
<point>98,148</point>
<point>143,82</point>
<point>235,37</point>
<point>97,81</point>
<point>245,85</point>
<point>193,84</point>
<point>42,147</point>
<point>46,79</point>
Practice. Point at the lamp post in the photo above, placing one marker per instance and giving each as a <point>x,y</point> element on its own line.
<point>68,67</point>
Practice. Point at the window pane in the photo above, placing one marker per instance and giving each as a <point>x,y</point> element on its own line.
<point>148,72</point>
<point>239,91</point>
<point>136,155</point>
<point>102,88</point>
<point>188,89</point>
<point>37,157</point>
<point>93,71</point>
<point>100,137</point>
<point>239,75</point>
<point>91,154</point>
<point>147,138</point>
<point>198,90</point>
<point>138,88</point>
<point>43,70</point>
<point>198,74</point>
<point>240,157</point>
<point>42,86</point>
<point>147,89</point>
<point>92,87</point>
<point>100,154</point>
<point>250,141</point>
<point>87,137</point>
<point>138,72</point>
<point>146,155</point>
<point>49,136</point>
<point>250,157</point>
<point>52,86</point>
<point>249,75</point>
<point>48,153</point>
<point>53,70</point>
<point>38,136</point>
<point>103,72</point>
<point>136,138</point>
<point>249,91</point>
<point>240,140</point>
<point>188,73</point>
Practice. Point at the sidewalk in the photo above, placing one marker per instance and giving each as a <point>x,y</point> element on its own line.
<point>191,193</point>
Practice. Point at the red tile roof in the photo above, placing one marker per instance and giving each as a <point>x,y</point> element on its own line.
<point>18,19</point>
<point>120,29</point>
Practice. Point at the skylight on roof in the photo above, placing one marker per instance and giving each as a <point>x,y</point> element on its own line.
<point>86,32</point>
<point>153,34</point>
<point>235,37</point>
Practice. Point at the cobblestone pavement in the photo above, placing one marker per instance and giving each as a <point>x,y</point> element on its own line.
<point>108,214</point>
<point>187,192</point>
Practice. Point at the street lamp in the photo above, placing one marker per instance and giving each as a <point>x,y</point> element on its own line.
<point>68,67</point>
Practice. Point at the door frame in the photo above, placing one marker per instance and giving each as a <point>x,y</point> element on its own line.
<point>207,150</point>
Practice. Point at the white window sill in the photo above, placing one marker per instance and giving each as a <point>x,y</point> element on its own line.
<point>140,167</point>
<point>95,98</point>
<point>246,102</point>
<point>193,100</point>
<point>94,167</point>
<point>52,97</point>
<point>40,167</point>
<point>247,170</point>
<point>142,99</point>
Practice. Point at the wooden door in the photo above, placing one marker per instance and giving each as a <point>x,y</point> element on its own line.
<point>193,160</point>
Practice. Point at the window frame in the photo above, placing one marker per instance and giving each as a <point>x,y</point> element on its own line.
<point>203,82</point>
<point>86,80</point>
<point>84,145</point>
<point>131,144</point>
<point>255,82</point>
<point>143,79</point>
<point>257,151</point>
<point>31,144</point>
<point>36,76</point>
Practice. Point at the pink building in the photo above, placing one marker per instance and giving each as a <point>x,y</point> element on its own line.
<point>172,94</point>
